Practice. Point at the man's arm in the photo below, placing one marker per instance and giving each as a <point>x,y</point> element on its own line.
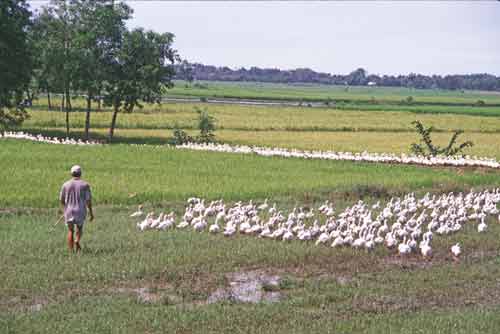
<point>89,204</point>
<point>62,200</point>
<point>91,212</point>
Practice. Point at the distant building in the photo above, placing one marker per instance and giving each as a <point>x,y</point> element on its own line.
<point>372,83</point>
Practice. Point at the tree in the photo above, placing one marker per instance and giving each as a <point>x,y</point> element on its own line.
<point>428,149</point>
<point>139,71</point>
<point>56,28</point>
<point>99,29</point>
<point>185,70</point>
<point>206,124</point>
<point>46,56</point>
<point>15,61</point>
<point>357,77</point>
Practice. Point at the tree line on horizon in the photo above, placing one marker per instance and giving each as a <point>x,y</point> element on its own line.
<point>359,77</point>
<point>79,47</point>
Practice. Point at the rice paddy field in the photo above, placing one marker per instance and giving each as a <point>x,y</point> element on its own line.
<point>125,281</point>
<point>320,93</point>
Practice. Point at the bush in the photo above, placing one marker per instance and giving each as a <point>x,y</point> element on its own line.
<point>480,103</point>
<point>206,125</point>
<point>408,100</point>
<point>427,148</point>
<point>200,86</point>
<point>181,137</point>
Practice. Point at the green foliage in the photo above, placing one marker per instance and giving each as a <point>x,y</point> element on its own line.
<point>12,117</point>
<point>433,150</point>
<point>408,100</point>
<point>139,71</point>
<point>15,61</point>
<point>181,137</point>
<point>206,125</point>
<point>200,85</point>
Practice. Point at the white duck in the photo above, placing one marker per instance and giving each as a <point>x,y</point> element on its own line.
<point>425,246</point>
<point>338,242</point>
<point>456,251</point>
<point>214,228</point>
<point>288,235</point>
<point>263,206</point>
<point>323,237</point>
<point>144,225</point>
<point>157,221</point>
<point>404,248</point>
<point>200,225</point>
<point>138,213</point>
<point>229,230</point>
<point>482,226</point>
<point>183,224</point>
<point>168,222</point>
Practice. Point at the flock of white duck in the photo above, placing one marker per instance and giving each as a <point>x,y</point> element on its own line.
<point>407,224</point>
<point>281,152</point>
<point>348,156</point>
<point>49,140</point>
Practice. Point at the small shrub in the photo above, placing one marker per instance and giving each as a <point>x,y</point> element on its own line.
<point>330,102</point>
<point>206,125</point>
<point>427,148</point>
<point>203,99</point>
<point>408,100</point>
<point>480,103</point>
<point>200,86</point>
<point>181,137</point>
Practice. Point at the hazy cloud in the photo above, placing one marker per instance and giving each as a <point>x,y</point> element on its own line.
<point>337,37</point>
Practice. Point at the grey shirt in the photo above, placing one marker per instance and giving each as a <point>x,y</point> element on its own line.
<point>75,193</point>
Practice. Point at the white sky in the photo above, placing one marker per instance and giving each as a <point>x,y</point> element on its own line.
<point>337,37</point>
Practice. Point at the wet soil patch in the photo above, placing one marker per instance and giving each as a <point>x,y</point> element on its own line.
<point>254,286</point>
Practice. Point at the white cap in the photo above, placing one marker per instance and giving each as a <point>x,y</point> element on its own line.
<point>76,169</point>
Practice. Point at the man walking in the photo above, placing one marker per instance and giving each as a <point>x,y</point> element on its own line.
<point>75,198</point>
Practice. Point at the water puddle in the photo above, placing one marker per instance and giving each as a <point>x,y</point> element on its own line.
<point>249,287</point>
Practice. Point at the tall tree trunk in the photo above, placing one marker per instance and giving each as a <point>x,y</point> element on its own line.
<point>99,99</point>
<point>48,99</point>
<point>87,116</point>
<point>67,122</point>
<point>62,102</point>
<point>68,107</point>
<point>68,99</point>
<point>113,123</point>
<point>29,97</point>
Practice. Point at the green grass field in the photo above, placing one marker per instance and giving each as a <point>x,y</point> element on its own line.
<point>235,117</point>
<point>320,93</point>
<point>126,174</point>
<point>44,289</point>
<point>323,289</point>
<point>289,127</point>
